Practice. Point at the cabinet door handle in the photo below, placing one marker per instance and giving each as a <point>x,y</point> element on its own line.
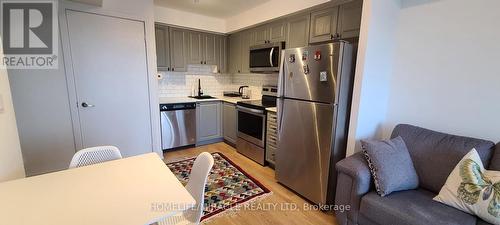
<point>168,69</point>
<point>172,69</point>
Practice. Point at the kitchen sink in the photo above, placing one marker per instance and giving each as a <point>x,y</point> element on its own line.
<point>202,97</point>
<point>232,94</point>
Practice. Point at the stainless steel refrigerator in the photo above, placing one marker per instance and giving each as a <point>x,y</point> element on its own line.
<point>315,86</point>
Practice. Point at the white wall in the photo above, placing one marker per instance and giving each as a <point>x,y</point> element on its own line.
<point>373,71</point>
<point>447,67</point>
<point>188,19</point>
<point>267,11</point>
<point>11,161</point>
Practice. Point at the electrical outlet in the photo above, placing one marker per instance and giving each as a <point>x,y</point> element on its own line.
<point>1,104</point>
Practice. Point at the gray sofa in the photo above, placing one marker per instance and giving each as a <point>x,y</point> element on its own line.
<point>434,155</point>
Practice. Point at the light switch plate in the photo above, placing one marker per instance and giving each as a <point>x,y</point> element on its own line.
<point>2,109</point>
<point>323,76</point>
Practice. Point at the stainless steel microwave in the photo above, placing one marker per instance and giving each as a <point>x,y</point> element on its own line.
<point>266,58</point>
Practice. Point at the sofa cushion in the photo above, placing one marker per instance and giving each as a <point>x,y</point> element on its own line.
<point>435,154</point>
<point>414,207</point>
<point>473,189</point>
<point>482,222</point>
<point>390,165</point>
<point>495,160</point>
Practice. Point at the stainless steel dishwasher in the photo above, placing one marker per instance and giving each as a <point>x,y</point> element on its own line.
<point>178,125</point>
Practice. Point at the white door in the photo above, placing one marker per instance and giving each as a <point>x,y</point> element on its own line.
<point>108,56</point>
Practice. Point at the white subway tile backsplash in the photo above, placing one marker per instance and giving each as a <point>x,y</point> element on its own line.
<point>180,84</point>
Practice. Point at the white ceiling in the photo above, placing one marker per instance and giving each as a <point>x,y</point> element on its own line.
<point>214,8</point>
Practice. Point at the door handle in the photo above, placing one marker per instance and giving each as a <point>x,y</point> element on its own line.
<point>86,105</point>
<point>245,109</point>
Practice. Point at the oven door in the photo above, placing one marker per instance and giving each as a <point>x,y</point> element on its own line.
<point>265,58</point>
<point>251,125</point>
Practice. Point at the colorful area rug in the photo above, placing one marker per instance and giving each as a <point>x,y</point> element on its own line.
<point>228,185</point>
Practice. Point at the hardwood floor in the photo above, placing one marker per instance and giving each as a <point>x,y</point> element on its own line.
<point>258,214</point>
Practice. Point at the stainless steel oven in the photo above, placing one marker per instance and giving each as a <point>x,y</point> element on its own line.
<point>266,58</point>
<point>252,125</point>
<point>251,133</point>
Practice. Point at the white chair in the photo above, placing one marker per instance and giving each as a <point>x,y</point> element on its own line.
<point>94,155</point>
<point>196,187</point>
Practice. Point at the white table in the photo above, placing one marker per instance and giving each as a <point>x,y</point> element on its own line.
<point>128,191</point>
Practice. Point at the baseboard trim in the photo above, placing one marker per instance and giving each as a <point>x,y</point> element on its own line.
<point>207,142</point>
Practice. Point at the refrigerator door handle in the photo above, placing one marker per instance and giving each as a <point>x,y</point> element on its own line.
<point>281,76</point>
<point>280,116</point>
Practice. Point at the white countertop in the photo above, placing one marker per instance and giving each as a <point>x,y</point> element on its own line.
<point>272,109</point>
<point>234,100</point>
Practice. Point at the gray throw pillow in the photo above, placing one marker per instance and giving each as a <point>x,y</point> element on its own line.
<point>390,165</point>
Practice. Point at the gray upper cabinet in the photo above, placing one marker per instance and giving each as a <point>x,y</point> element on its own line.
<point>235,53</point>
<point>324,25</point>
<point>277,31</point>
<point>231,54</point>
<point>298,31</point>
<point>208,121</point>
<point>211,49</point>
<point>350,19</point>
<point>223,54</point>
<point>162,48</point>
<point>247,38</point>
<point>273,32</point>
<point>178,50</point>
<point>239,51</point>
<point>229,122</point>
<point>260,35</point>
<point>195,48</point>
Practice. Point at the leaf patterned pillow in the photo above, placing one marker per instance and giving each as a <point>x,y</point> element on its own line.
<point>473,189</point>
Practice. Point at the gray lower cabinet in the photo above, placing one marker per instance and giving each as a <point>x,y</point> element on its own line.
<point>350,19</point>
<point>230,123</point>
<point>271,137</point>
<point>208,121</point>
<point>298,31</point>
<point>324,25</point>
